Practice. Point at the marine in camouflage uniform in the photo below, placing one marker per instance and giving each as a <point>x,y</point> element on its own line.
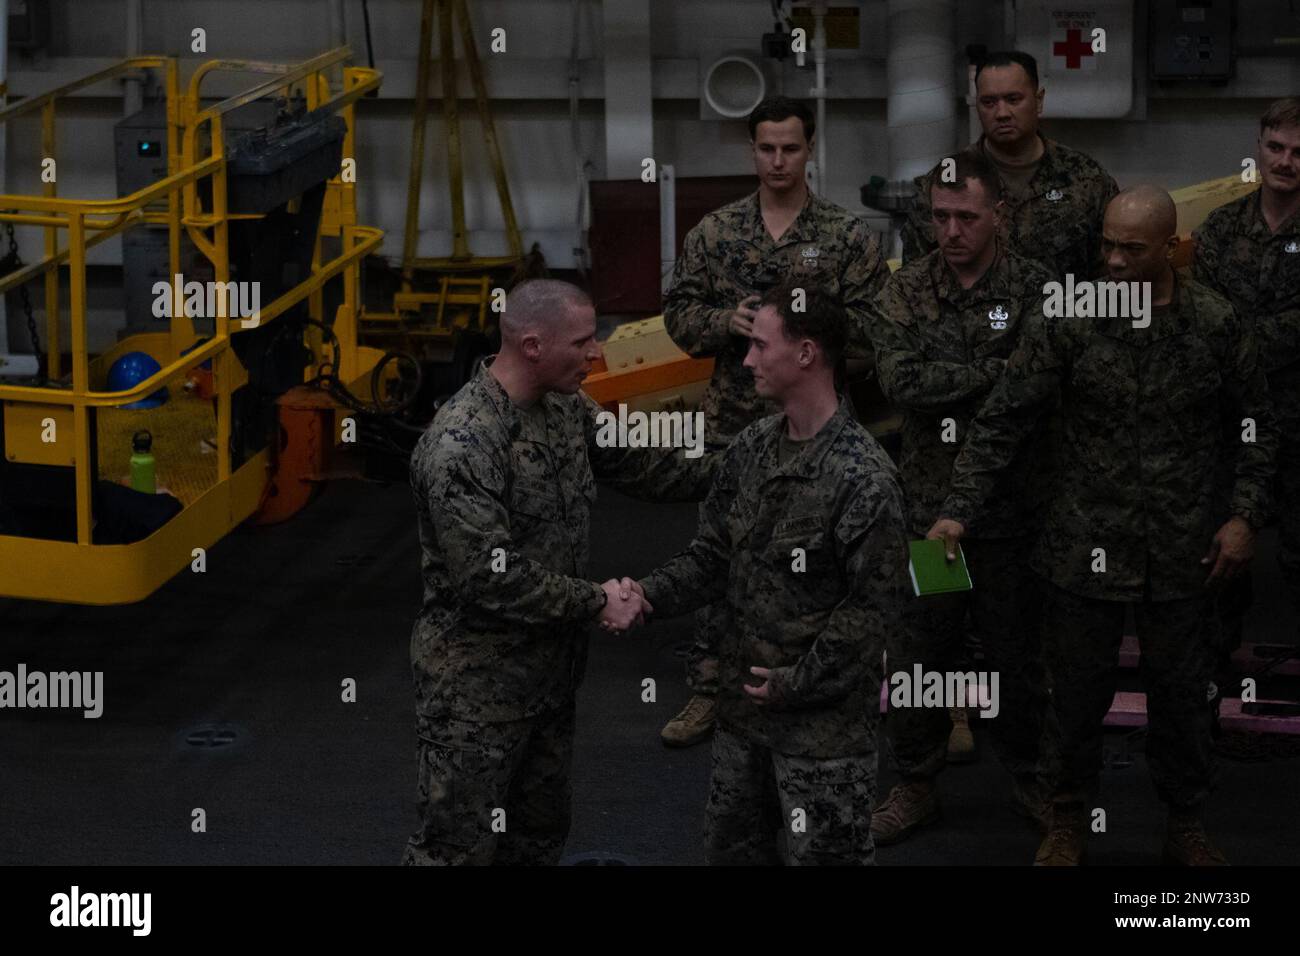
<point>1055,221</point>
<point>940,349</point>
<point>1258,271</point>
<point>1141,444</point>
<point>1053,201</point>
<point>819,624</point>
<point>504,499</point>
<point>727,257</point>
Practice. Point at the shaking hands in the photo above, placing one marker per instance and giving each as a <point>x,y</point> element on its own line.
<point>625,605</point>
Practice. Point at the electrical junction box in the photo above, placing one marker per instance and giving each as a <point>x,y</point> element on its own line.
<point>1191,39</point>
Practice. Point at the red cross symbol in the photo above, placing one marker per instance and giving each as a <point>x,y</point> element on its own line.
<point>1073,48</point>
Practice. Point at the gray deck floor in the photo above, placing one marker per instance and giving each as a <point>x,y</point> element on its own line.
<point>260,644</point>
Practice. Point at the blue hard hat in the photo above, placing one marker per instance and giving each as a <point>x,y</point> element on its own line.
<point>129,371</point>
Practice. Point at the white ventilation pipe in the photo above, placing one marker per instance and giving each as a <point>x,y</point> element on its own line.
<point>629,96</point>
<point>581,249</point>
<point>734,85</point>
<point>921,75</point>
<point>819,91</point>
<point>667,225</point>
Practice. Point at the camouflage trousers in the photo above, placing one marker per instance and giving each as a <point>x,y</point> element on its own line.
<point>1004,607</point>
<point>768,808</point>
<point>1237,598</point>
<point>493,793</point>
<point>702,658</point>
<point>1179,642</point>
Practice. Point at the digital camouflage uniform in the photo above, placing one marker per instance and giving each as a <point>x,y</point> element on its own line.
<point>727,257</point>
<point>939,350</point>
<point>1142,413</point>
<point>817,616</point>
<point>1258,271</point>
<point>500,644</point>
<point>1058,225</point>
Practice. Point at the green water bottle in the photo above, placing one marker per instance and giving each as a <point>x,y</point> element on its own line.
<point>142,471</point>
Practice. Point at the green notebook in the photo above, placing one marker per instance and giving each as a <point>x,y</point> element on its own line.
<point>933,573</point>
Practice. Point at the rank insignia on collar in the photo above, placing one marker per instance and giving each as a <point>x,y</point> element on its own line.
<point>998,318</point>
<point>1292,246</point>
<point>811,252</point>
<point>1054,195</point>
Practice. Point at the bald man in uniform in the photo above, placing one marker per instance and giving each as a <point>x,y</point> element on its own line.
<point>1136,522</point>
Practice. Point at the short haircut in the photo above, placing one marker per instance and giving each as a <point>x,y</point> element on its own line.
<point>823,319</point>
<point>1008,58</point>
<point>1283,112</point>
<point>536,303</point>
<point>968,165</point>
<point>777,108</point>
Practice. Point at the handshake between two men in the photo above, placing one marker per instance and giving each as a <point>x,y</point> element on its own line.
<point>626,606</point>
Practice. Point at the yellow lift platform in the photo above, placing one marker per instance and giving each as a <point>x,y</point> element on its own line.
<point>51,424</point>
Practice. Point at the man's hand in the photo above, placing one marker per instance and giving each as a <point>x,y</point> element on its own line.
<point>625,605</point>
<point>627,587</point>
<point>950,532</point>
<point>742,319</point>
<point>1230,551</point>
<point>765,693</point>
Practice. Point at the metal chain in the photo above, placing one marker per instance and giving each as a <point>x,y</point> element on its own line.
<point>15,261</point>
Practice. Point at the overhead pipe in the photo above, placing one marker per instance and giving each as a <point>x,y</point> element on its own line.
<point>132,94</point>
<point>819,91</point>
<point>629,90</point>
<point>922,93</point>
<point>581,252</point>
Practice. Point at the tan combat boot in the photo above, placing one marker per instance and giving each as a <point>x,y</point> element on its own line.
<point>1187,843</point>
<point>1066,838</point>
<point>693,724</point>
<point>908,806</point>
<point>961,745</point>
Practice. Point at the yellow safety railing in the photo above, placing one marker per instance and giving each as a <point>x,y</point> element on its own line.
<point>90,222</point>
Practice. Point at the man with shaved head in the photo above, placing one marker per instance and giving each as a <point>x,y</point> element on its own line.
<point>504,480</point>
<point>1136,523</point>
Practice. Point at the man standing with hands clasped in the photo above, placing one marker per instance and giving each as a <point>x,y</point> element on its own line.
<point>503,482</point>
<point>802,548</point>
